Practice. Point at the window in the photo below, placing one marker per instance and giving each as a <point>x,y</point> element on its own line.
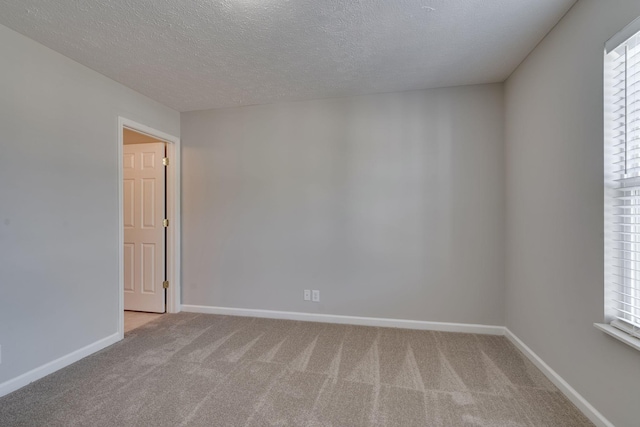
<point>622,182</point>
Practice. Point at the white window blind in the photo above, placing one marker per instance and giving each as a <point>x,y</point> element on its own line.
<point>622,184</point>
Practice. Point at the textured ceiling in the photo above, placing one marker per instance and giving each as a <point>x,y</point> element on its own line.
<point>200,54</point>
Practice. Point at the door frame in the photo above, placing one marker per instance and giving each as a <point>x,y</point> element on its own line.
<point>173,213</point>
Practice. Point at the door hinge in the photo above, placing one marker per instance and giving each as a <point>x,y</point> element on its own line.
<point>165,222</point>
<point>165,161</point>
<point>165,284</point>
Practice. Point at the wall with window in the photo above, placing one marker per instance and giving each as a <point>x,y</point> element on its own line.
<point>554,196</point>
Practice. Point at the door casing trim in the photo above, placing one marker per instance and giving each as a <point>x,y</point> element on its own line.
<point>173,213</point>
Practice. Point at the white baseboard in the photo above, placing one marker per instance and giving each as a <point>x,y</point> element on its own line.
<point>48,368</point>
<point>576,398</point>
<point>349,320</point>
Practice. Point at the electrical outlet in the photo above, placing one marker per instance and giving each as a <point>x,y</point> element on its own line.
<point>316,296</point>
<point>307,295</point>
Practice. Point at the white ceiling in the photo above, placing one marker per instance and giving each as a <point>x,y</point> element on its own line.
<point>201,54</point>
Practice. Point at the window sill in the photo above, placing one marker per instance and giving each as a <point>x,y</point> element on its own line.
<point>619,335</point>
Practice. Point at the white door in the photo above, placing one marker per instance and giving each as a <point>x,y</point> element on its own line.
<point>144,232</point>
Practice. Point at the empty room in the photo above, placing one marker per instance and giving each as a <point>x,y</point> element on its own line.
<point>320,213</point>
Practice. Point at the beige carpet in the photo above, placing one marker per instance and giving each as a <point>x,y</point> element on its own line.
<point>205,370</point>
<point>135,319</point>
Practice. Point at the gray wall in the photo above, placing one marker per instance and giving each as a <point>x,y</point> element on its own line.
<point>391,205</point>
<point>554,132</point>
<point>59,201</point>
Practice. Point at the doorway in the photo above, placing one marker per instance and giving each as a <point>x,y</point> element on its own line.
<point>149,224</point>
<point>145,222</point>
